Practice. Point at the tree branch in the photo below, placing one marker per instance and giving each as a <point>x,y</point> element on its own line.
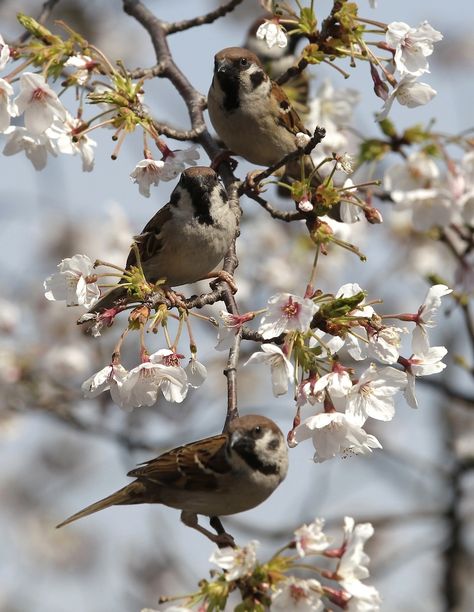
<point>319,134</point>
<point>186,24</point>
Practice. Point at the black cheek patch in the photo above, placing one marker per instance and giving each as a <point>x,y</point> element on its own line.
<point>257,78</point>
<point>285,105</point>
<point>246,450</point>
<point>273,444</point>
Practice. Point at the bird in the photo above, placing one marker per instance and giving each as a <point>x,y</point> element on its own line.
<point>251,114</point>
<point>186,239</point>
<point>224,474</point>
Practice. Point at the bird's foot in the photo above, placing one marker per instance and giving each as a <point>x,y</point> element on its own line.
<point>224,276</point>
<point>222,538</point>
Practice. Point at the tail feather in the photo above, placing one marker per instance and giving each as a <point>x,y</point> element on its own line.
<point>131,494</point>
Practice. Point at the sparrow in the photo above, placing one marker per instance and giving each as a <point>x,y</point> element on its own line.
<point>224,474</point>
<point>187,238</point>
<point>251,114</point>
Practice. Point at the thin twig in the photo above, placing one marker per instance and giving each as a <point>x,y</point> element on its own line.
<point>282,215</point>
<point>317,137</point>
<point>186,24</point>
<point>231,374</point>
<point>293,71</point>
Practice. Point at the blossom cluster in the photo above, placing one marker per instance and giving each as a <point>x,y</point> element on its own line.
<point>410,47</point>
<point>159,372</point>
<point>271,585</point>
<point>319,377</point>
<point>50,129</point>
<point>435,198</point>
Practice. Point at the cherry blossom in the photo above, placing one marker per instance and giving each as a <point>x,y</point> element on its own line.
<point>39,103</point>
<point>337,383</point>
<point>146,173</point>
<point>8,108</point>
<point>408,92</point>
<point>36,148</point>
<point>75,282</point>
<point>299,595</point>
<point>311,538</point>
<point>67,139</point>
<point>238,562</point>
<point>349,212</point>
<point>373,395</point>
<point>426,313</point>
<point>418,172</point>
<point>230,327</point>
<point>173,380</point>
<point>174,162</point>
<point>352,567</point>
<point>335,433</point>
<point>282,369</point>
<point>285,313</point>
<point>273,34</point>
<point>196,372</point>
<point>332,108</point>
<point>111,378</point>
<point>4,53</point>
<point>412,46</point>
<point>382,344</point>
<point>83,65</point>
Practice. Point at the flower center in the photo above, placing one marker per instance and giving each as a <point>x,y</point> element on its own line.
<point>38,95</point>
<point>297,593</point>
<point>291,309</point>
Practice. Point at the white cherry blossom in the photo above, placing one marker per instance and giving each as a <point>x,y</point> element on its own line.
<point>349,212</point>
<point>111,378</point>
<point>196,373</point>
<point>412,46</point>
<point>273,34</point>
<point>173,380</point>
<point>408,92</point>
<point>352,567</point>
<point>298,595</point>
<point>311,538</point>
<point>373,395</point>
<point>332,108</point>
<point>282,369</point>
<point>175,162</point>
<point>36,148</point>
<point>419,171</point>
<point>229,328</point>
<point>426,313</point>
<point>4,53</point>
<point>351,289</point>
<point>82,63</point>
<point>146,173</point>
<point>237,562</point>
<point>329,344</point>
<point>285,313</point>
<point>39,103</point>
<point>75,282</point>
<point>335,433</point>
<point>8,108</point>
<point>67,138</point>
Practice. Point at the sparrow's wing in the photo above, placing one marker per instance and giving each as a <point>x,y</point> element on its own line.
<point>287,116</point>
<point>191,467</point>
<point>150,240</point>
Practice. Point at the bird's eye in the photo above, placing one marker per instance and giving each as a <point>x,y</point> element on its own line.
<point>244,62</point>
<point>257,430</point>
